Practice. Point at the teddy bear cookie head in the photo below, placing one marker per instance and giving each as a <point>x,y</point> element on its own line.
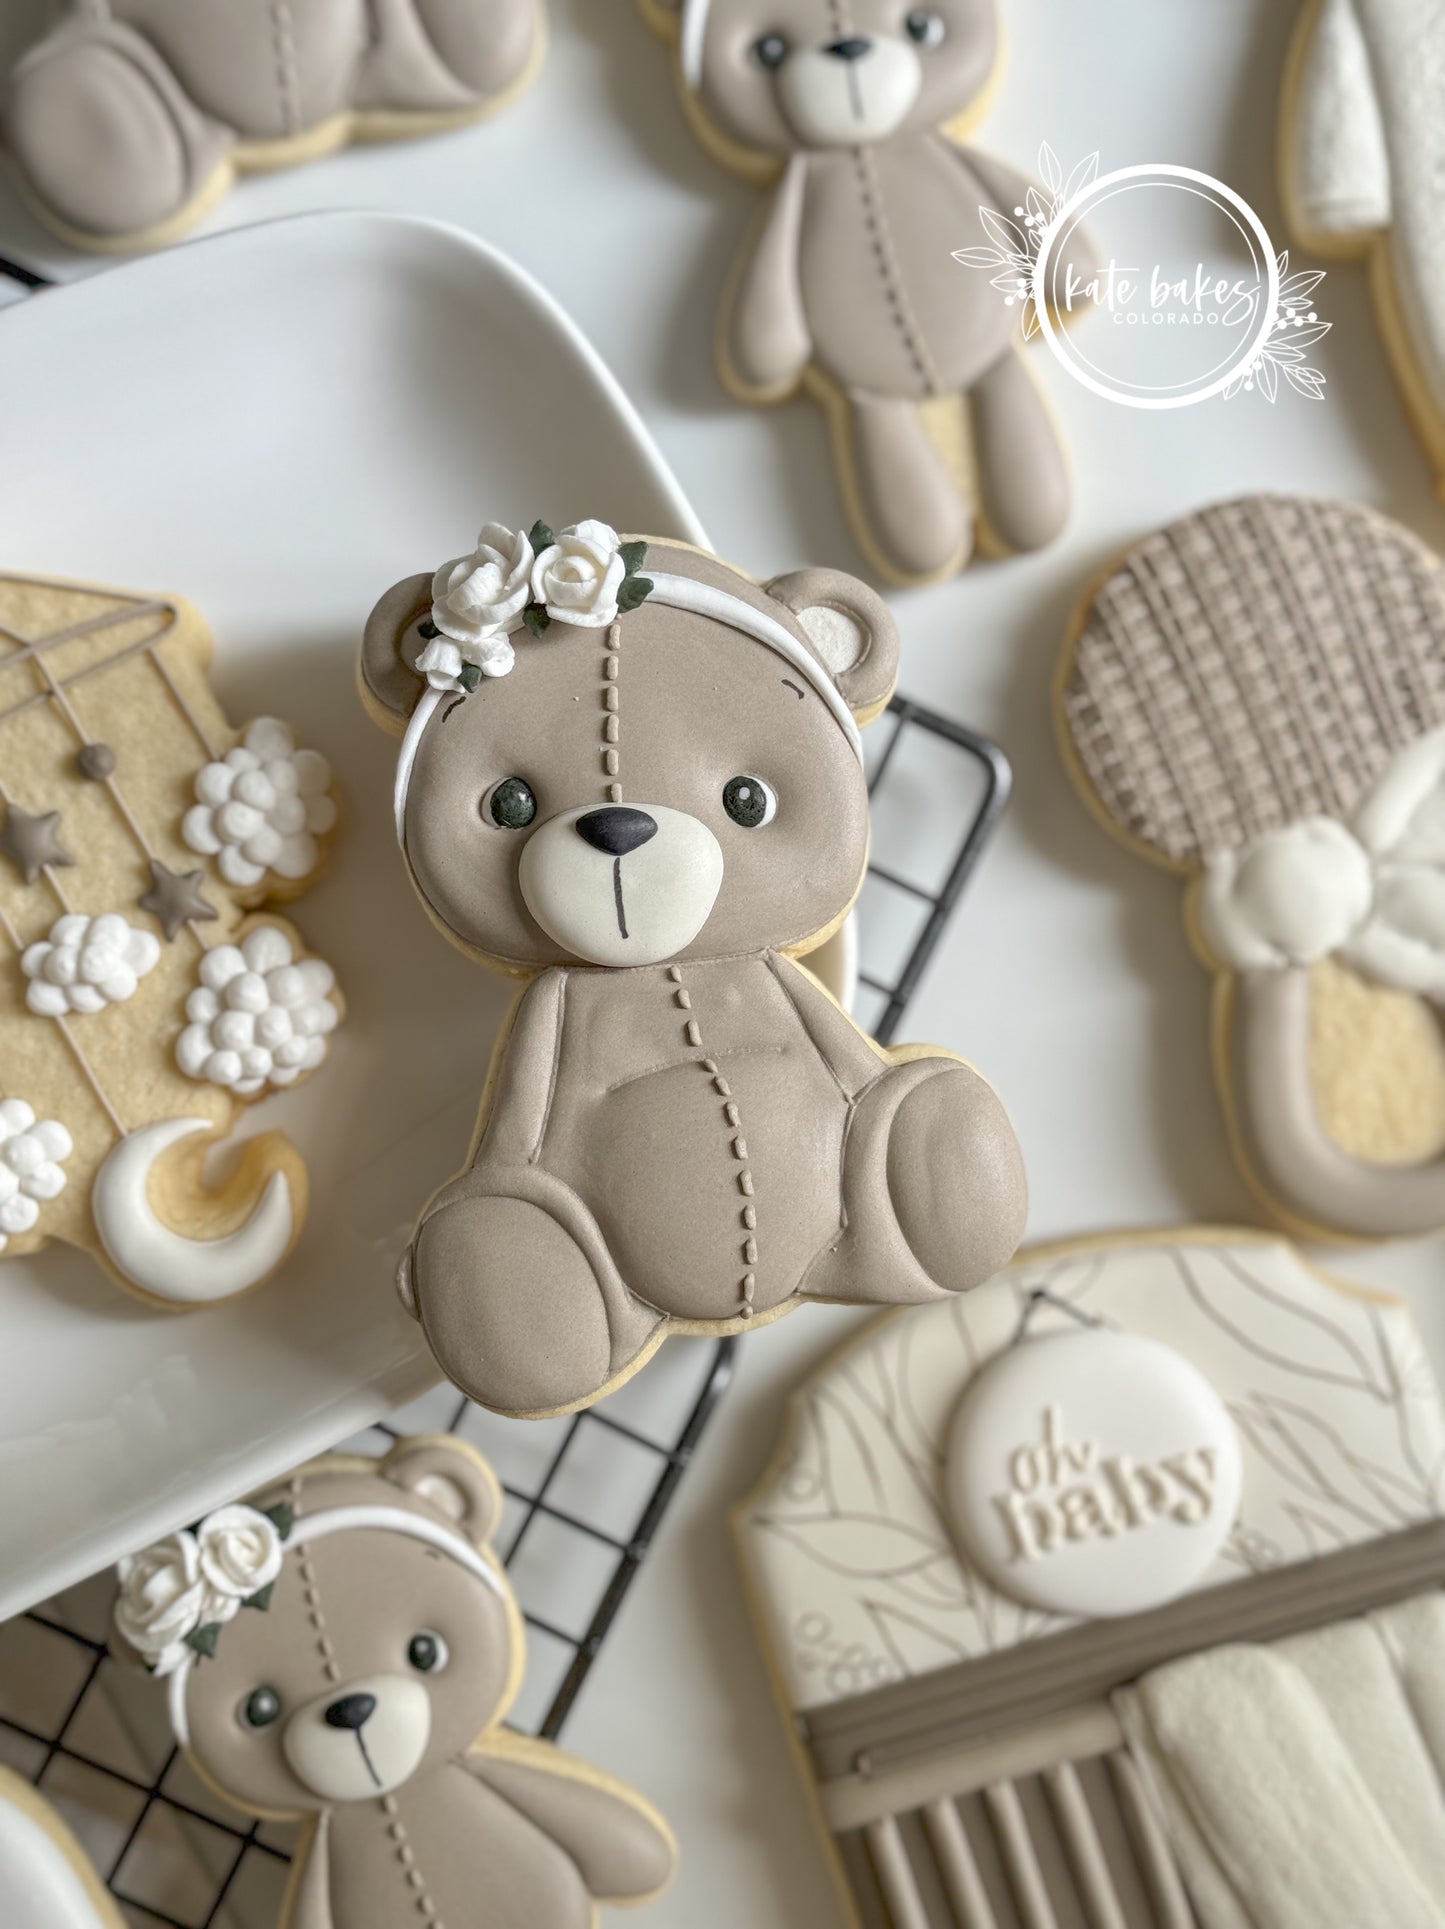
<point>337,1638</point>
<point>782,76</point>
<point>623,753</point>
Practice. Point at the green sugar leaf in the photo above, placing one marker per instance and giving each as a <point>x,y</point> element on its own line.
<point>203,1641</point>
<point>282,1517</point>
<point>469,676</point>
<point>540,536</point>
<point>633,556</point>
<point>635,590</point>
<point>536,618</point>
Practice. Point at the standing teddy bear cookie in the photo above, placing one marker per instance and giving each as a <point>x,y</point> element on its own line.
<point>851,113</point>
<point>633,777</point>
<point>131,118</point>
<point>1254,698</point>
<point>343,1651</point>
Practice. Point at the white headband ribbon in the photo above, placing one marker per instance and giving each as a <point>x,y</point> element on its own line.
<point>1371,892</point>
<point>691,34</point>
<point>682,593</point>
<point>344,1520</point>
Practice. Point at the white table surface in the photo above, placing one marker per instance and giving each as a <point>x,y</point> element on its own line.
<point>1066,976</point>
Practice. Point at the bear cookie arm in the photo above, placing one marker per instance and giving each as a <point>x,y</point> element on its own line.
<point>638,783</point>
<point>364,1694</point>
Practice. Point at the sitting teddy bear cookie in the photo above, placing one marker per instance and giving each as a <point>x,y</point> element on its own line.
<point>344,1651</point>
<point>132,118</point>
<point>1254,697</point>
<point>633,776</point>
<point>1362,150</point>
<point>848,285</point>
<point>143,1004</point>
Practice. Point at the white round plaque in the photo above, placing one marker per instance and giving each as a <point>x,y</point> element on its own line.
<point>1093,1473</point>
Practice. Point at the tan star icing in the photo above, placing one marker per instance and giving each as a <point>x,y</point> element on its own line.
<point>32,843</point>
<point>175,898</point>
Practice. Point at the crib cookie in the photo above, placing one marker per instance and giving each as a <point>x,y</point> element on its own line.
<point>1254,698</point>
<point>46,1879</point>
<point>343,1651</point>
<point>145,1001</point>
<point>848,286</point>
<point>633,777</point>
<point>1361,151</point>
<point>132,118</point>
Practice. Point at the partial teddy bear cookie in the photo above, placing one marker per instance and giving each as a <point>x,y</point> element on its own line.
<point>633,776</point>
<point>1362,151</point>
<point>141,1003</point>
<point>344,1651</point>
<point>848,284</point>
<point>132,118</point>
<point>1255,698</point>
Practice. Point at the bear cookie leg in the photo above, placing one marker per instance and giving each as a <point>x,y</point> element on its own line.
<point>518,1297</point>
<point>914,514</point>
<point>934,1192</point>
<point>107,142</point>
<point>1022,468</point>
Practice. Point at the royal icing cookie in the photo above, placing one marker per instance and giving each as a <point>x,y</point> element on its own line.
<point>46,1880</point>
<point>132,118</point>
<point>143,1001</point>
<point>851,119</point>
<point>1362,148</point>
<point>633,776</point>
<point>1254,698</point>
<point>344,1650</point>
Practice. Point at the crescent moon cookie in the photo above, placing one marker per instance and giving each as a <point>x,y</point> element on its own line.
<point>143,1001</point>
<point>1362,149</point>
<point>632,776</point>
<point>343,1651</point>
<point>851,117</point>
<point>46,1879</point>
<point>1254,698</point>
<point>132,118</point>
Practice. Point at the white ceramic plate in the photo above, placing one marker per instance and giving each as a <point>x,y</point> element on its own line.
<point>277,423</point>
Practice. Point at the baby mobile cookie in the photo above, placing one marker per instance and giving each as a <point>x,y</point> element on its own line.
<point>130,119</point>
<point>1254,698</point>
<point>852,119</point>
<point>142,1002</point>
<point>344,1651</point>
<point>633,777</point>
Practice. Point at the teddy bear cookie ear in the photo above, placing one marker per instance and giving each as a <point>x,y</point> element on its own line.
<point>447,1475</point>
<point>851,629</point>
<point>389,679</point>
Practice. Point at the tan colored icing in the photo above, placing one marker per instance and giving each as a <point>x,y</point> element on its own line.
<point>1377,1062</point>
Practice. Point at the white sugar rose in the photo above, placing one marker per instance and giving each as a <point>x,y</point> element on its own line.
<point>163,1598</point>
<point>579,576</point>
<point>262,807</point>
<point>32,1156</point>
<point>442,660</point>
<point>1288,898</point>
<point>86,964</point>
<point>476,599</point>
<point>240,1552</point>
<point>260,1015</point>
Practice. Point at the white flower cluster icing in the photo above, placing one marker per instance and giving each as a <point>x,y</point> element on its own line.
<point>1372,893</point>
<point>187,1582</point>
<point>262,807</point>
<point>86,964</point>
<point>32,1156</point>
<point>260,1016</point>
<point>481,600</point>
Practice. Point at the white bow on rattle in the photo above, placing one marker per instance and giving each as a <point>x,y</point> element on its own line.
<point>1371,892</point>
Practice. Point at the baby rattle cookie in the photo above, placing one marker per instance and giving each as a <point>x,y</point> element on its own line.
<point>1361,150</point>
<point>46,1879</point>
<point>851,116</point>
<point>143,1004</point>
<point>366,1698</point>
<point>132,118</point>
<point>1254,698</point>
<point>633,776</point>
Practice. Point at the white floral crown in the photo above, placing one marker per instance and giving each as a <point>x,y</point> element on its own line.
<point>177,1595</point>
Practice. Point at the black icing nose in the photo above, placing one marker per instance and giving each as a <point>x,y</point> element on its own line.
<point>617,829</point>
<point>851,49</point>
<point>351,1711</point>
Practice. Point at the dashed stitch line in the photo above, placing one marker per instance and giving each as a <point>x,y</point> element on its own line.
<point>748,1216</point>
<point>311,1595</point>
<point>284,41</point>
<point>889,275</point>
<point>611,717</point>
<point>406,1856</point>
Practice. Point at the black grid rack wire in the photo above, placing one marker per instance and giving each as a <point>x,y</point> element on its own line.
<point>95,1736</point>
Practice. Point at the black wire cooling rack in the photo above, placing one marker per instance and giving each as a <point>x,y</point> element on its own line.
<point>586,1495</point>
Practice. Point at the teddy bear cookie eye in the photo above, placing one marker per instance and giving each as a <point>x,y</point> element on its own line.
<point>260,1708</point>
<point>510,804</point>
<point>925,26</point>
<point>749,801</point>
<point>771,50</point>
<point>427,1652</point>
